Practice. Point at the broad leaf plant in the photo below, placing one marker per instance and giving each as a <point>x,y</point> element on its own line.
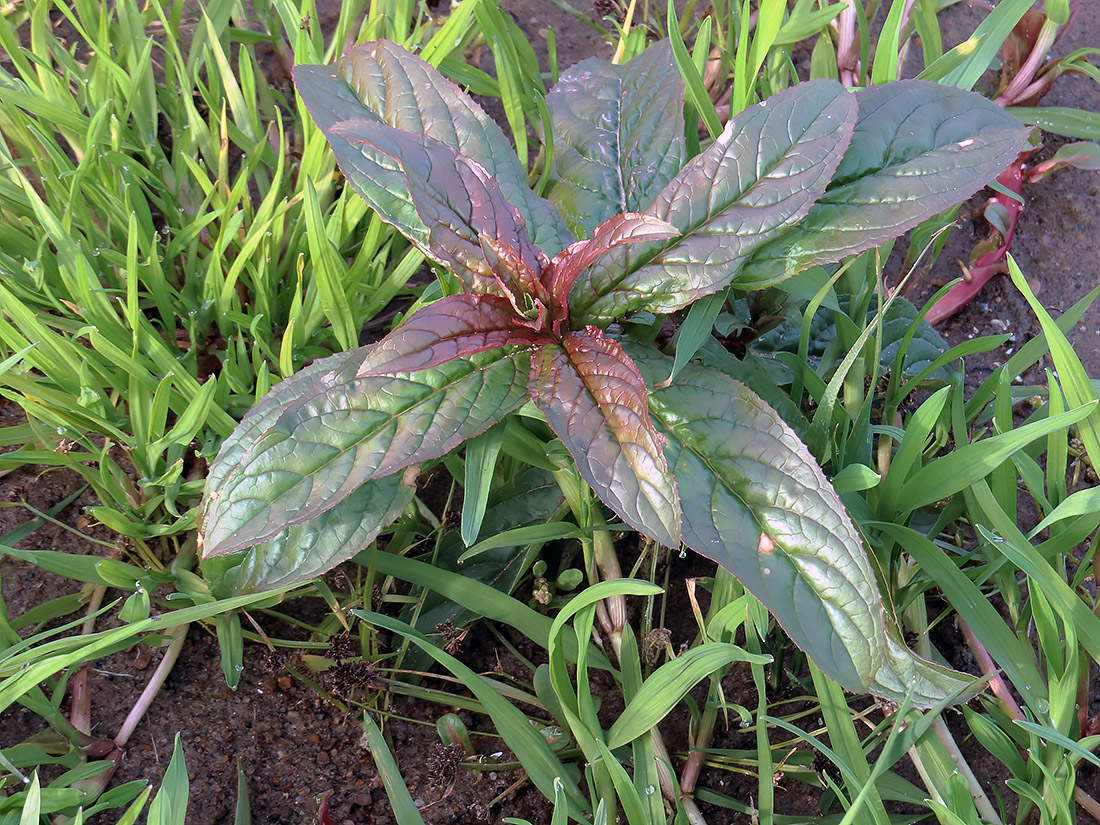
<point>329,457</point>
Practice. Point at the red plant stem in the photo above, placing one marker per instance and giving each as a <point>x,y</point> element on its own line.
<point>996,682</point>
<point>81,714</point>
<point>693,766</point>
<point>979,273</point>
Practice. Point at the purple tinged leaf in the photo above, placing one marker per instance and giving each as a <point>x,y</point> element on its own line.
<point>516,279</point>
<point>383,82</point>
<point>757,180</point>
<point>618,135</point>
<point>451,327</point>
<point>918,149</point>
<point>455,198</point>
<point>594,399</point>
<point>755,501</point>
<point>317,440</point>
<point>568,264</point>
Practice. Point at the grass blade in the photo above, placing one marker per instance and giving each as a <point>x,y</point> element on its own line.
<point>397,792</point>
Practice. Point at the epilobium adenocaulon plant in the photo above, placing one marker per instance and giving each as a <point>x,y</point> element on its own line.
<point>326,460</point>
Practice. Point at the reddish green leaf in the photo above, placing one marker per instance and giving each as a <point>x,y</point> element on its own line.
<point>451,327</point>
<point>918,149</point>
<point>755,501</point>
<point>618,135</point>
<point>758,179</point>
<point>316,442</point>
<point>595,400</point>
<point>629,227</point>
<point>456,199</point>
<point>381,81</point>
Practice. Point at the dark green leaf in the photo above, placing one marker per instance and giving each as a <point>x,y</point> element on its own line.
<point>531,498</point>
<point>317,442</point>
<point>381,81</point>
<point>757,180</point>
<point>595,400</point>
<point>618,135</point>
<point>314,547</point>
<point>756,502</point>
<point>902,671</point>
<point>456,200</point>
<point>918,148</point>
<point>922,351</point>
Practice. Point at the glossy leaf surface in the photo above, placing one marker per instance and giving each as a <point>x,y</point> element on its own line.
<point>618,135</point>
<point>340,430</point>
<point>931,683</point>
<point>452,326</point>
<point>918,148</point>
<point>594,399</point>
<point>755,501</point>
<point>758,179</point>
<point>568,264</point>
<point>314,547</point>
<point>267,410</point>
<point>455,198</point>
<point>383,82</point>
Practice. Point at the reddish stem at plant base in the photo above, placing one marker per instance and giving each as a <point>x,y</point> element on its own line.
<point>982,270</point>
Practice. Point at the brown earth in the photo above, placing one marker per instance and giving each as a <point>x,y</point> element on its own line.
<point>295,744</point>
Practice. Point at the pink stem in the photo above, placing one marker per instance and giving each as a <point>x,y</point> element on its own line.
<point>1035,59</point>
<point>979,273</point>
<point>996,682</point>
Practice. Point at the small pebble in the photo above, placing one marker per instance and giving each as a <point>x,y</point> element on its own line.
<point>285,682</point>
<point>323,758</point>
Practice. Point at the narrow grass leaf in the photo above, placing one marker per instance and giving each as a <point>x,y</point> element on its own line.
<point>527,743</point>
<point>885,68</point>
<point>1012,655</point>
<point>964,64</point>
<point>32,804</point>
<point>169,806</point>
<point>474,595</point>
<point>534,534</point>
<point>1072,377</point>
<point>242,814</point>
<point>329,273</point>
<point>481,462</point>
<point>661,692</point>
<point>968,464</point>
<point>696,91</point>
<point>624,788</point>
<point>1080,503</point>
<point>1082,749</point>
<point>1068,604</point>
<point>397,792</point>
